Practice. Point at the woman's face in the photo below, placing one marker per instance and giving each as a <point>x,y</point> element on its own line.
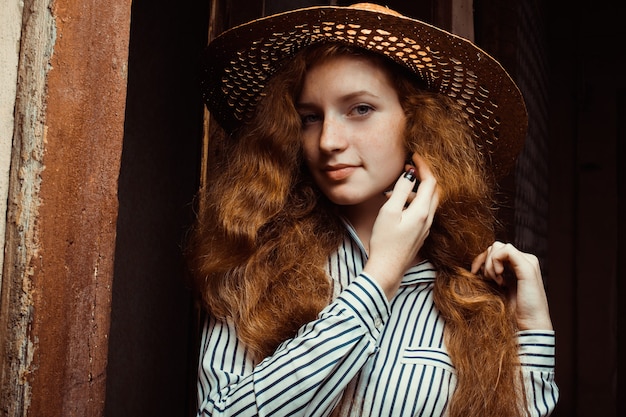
<point>352,130</point>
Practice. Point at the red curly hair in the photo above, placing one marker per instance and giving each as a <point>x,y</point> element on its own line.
<point>264,232</point>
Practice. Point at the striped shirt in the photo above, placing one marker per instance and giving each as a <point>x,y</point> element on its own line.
<point>387,358</point>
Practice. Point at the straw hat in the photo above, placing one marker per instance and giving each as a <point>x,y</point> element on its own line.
<point>237,65</point>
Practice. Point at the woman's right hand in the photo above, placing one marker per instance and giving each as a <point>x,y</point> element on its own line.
<point>402,225</point>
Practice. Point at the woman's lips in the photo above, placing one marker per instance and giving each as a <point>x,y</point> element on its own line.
<point>339,172</point>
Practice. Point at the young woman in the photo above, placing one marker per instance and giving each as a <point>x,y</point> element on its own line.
<point>345,248</point>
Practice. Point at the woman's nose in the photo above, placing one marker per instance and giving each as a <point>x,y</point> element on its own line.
<point>333,136</point>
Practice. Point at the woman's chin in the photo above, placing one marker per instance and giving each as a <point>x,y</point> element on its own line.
<point>359,201</point>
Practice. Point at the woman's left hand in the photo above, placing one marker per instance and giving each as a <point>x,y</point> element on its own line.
<point>525,289</point>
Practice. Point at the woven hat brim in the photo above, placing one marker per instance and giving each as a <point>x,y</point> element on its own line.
<point>238,63</point>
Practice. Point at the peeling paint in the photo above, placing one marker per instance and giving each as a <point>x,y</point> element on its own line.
<point>22,249</point>
<point>62,208</point>
<point>10,32</point>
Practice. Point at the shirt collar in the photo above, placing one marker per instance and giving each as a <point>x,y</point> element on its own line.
<point>422,272</point>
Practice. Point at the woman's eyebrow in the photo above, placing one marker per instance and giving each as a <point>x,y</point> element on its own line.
<point>344,98</point>
<point>358,94</point>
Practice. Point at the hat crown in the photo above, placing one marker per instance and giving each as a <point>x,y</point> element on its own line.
<point>374,8</point>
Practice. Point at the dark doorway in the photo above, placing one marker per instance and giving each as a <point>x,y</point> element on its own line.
<point>151,344</point>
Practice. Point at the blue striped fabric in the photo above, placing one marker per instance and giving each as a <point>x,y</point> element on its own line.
<point>388,359</point>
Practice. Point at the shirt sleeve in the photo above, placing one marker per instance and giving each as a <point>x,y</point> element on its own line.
<point>306,374</point>
<point>537,358</point>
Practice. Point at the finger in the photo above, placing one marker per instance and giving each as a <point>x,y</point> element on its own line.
<point>427,183</point>
<point>426,200</point>
<point>422,167</point>
<point>488,264</point>
<point>493,267</point>
<point>402,189</point>
<point>478,262</point>
<point>521,264</point>
<point>500,254</point>
<point>411,196</point>
<point>506,257</point>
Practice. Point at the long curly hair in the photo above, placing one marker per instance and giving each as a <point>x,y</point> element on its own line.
<point>264,232</point>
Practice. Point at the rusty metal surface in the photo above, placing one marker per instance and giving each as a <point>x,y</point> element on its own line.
<point>63,207</point>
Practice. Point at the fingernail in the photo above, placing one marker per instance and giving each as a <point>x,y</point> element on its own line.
<point>410,174</point>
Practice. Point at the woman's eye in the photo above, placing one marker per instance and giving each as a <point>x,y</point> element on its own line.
<point>308,119</point>
<point>361,110</point>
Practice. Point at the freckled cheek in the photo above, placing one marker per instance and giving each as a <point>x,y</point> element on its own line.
<point>394,161</point>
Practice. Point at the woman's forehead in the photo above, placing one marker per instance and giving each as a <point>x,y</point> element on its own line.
<point>348,75</point>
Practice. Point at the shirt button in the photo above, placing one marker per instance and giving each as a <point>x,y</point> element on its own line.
<point>378,322</point>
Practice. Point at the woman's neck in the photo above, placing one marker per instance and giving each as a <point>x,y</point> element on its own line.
<point>362,218</point>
